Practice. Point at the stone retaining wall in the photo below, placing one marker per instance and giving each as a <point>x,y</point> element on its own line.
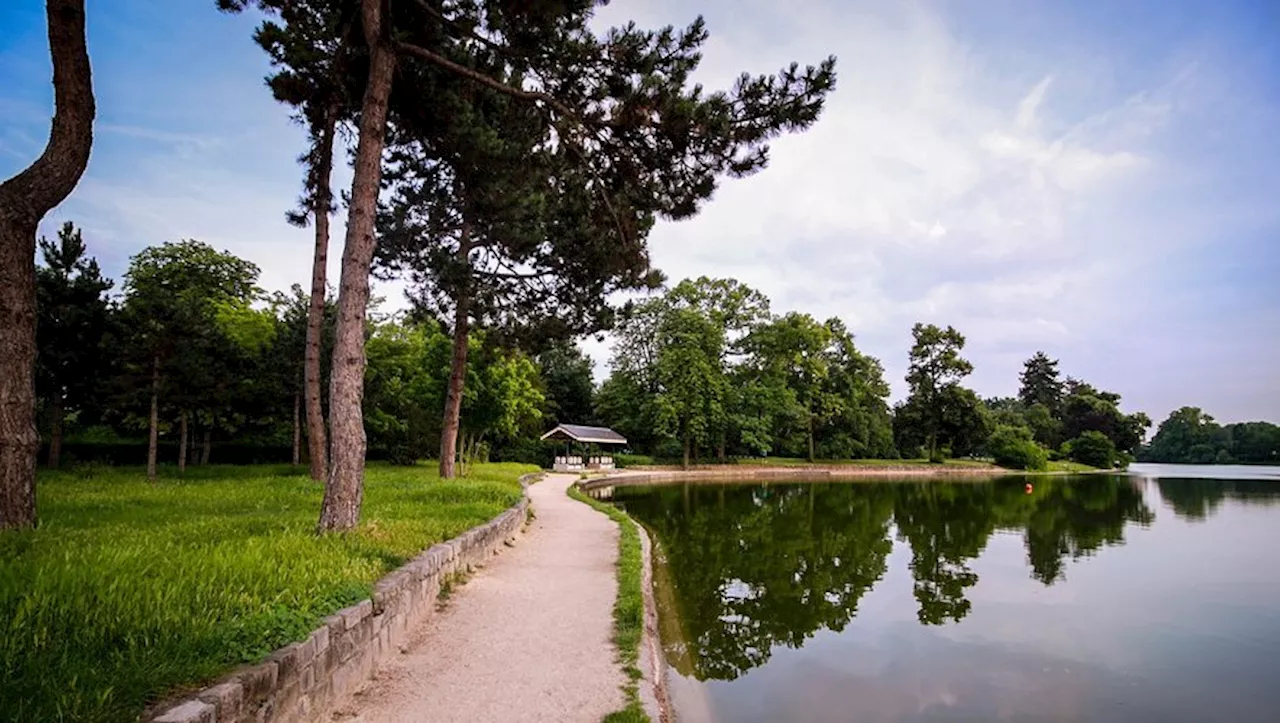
<point>303,681</point>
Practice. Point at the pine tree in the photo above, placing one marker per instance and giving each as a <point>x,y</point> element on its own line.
<point>72,317</point>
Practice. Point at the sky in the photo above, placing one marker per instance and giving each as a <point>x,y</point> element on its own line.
<point>1095,180</point>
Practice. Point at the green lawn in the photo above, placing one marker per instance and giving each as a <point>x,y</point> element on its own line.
<point>129,590</point>
<point>1063,465</point>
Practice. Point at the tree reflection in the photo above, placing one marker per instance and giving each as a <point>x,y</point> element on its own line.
<point>750,568</point>
<point>1197,499</point>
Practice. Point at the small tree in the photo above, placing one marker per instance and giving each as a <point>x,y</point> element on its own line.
<point>1094,449</point>
<point>172,294</point>
<point>1013,447</point>
<point>935,371</point>
<point>1040,383</point>
<point>73,315</point>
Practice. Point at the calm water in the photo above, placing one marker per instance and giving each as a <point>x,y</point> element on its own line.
<point>1148,597</point>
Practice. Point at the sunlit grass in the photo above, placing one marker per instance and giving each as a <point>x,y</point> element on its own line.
<point>628,608</point>
<point>130,589</point>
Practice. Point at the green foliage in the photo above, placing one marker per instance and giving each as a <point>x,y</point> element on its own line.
<point>705,367</point>
<point>1094,449</point>
<point>939,415</point>
<point>408,368</point>
<point>1014,448</point>
<point>129,589</point>
<point>1189,436</point>
<point>73,317</point>
<point>567,385</point>
<point>628,607</point>
<point>1040,384</point>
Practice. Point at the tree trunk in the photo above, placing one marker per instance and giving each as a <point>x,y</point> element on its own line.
<point>24,200</point>
<point>457,368</point>
<point>297,429</point>
<point>720,449</point>
<point>206,445</point>
<point>182,443</point>
<point>344,486</point>
<point>688,442</point>
<point>453,397</point>
<point>153,431</point>
<point>323,200</point>
<point>55,431</point>
<point>811,438</point>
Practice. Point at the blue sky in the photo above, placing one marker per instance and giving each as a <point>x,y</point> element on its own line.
<point>1098,180</point>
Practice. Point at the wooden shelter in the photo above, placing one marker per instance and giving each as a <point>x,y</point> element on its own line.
<point>588,437</point>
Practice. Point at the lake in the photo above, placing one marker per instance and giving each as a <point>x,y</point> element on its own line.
<point>1152,596</point>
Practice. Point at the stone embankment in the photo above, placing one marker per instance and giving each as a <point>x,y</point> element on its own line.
<point>304,681</point>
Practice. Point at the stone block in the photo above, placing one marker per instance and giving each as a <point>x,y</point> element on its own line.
<point>321,637</point>
<point>307,678</point>
<point>356,613</point>
<point>287,696</point>
<point>344,648</point>
<point>258,681</point>
<point>226,698</point>
<point>191,711</point>
<point>306,652</point>
<point>286,660</point>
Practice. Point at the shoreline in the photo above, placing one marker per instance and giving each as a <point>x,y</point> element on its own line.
<point>657,476</point>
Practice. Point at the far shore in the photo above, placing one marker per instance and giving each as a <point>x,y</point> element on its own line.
<point>662,475</point>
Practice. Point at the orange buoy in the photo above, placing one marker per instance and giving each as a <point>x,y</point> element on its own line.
<point>1029,488</point>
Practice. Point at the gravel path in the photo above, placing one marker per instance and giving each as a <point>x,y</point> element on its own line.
<point>527,638</point>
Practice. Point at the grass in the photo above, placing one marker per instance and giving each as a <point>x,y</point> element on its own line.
<point>1062,465</point>
<point>130,591</point>
<point>628,611</point>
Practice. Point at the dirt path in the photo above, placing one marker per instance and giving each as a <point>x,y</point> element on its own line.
<point>528,638</point>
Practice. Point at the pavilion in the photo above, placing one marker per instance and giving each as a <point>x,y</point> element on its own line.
<point>588,436</point>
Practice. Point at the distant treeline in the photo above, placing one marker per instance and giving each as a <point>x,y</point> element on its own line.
<point>706,372</point>
<point>194,363</point>
<point>1189,436</point>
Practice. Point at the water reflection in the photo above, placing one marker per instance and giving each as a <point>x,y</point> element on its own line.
<point>751,568</point>
<point>1196,498</point>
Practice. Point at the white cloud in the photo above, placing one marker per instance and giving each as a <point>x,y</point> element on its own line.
<point>943,184</point>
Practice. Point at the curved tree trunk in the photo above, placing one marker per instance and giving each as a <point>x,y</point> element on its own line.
<point>24,200</point>
<point>323,200</point>
<point>457,369</point>
<point>344,486</point>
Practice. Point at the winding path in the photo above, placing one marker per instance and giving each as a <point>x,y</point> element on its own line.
<point>527,638</point>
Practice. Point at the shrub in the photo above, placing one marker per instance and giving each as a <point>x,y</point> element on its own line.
<point>632,460</point>
<point>1094,449</point>
<point>1014,448</point>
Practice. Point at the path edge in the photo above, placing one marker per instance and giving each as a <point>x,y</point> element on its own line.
<point>654,697</point>
<point>304,681</point>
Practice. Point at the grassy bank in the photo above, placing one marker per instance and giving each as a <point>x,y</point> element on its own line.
<point>628,611</point>
<point>130,590</point>
<point>1065,466</point>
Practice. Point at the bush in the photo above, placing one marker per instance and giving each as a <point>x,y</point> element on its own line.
<point>632,460</point>
<point>1014,448</point>
<point>1092,448</point>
